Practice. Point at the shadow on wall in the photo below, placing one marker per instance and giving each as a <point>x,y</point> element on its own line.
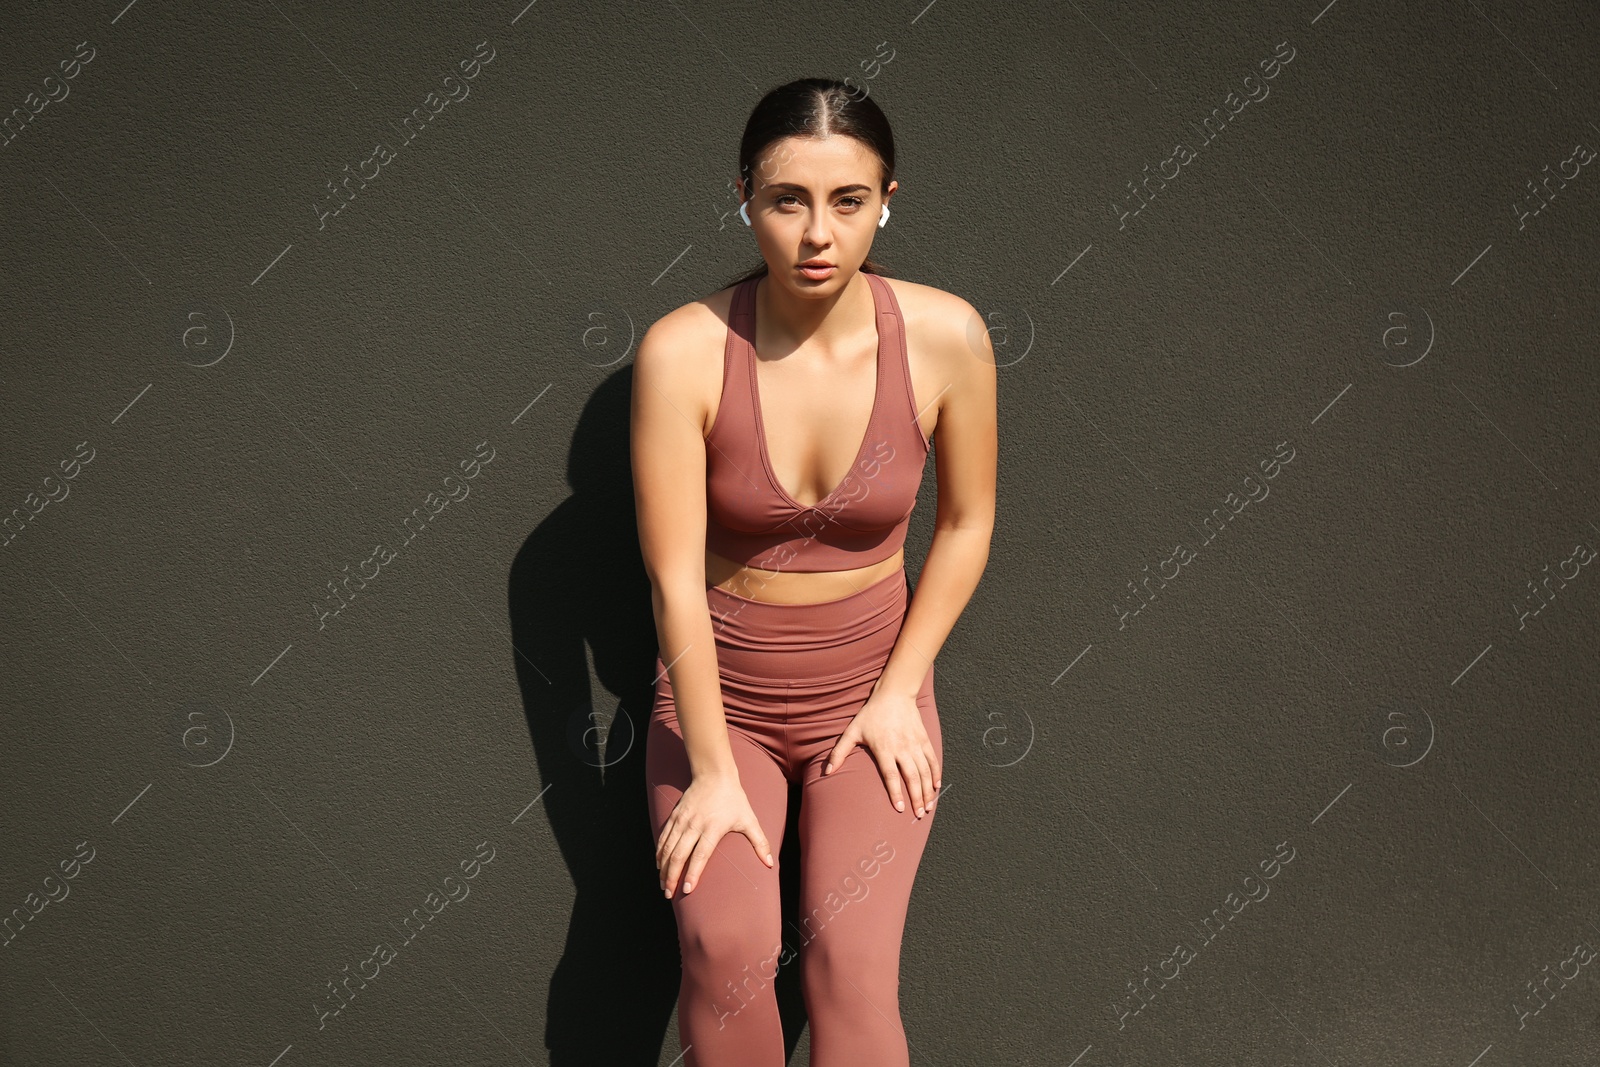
<point>579,606</point>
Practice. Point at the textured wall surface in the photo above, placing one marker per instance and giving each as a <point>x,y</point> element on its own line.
<point>1270,733</point>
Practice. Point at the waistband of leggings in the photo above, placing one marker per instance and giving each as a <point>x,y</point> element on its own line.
<point>763,647</point>
<point>862,609</point>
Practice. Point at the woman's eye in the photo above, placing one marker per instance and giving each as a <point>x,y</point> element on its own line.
<point>850,201</point>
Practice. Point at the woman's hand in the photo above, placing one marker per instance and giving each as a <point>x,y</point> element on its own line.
<point>890,726</point>
<point>711,806</point>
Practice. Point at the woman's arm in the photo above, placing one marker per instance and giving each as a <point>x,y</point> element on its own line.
<point>669,489</point>
<point>967,440</point>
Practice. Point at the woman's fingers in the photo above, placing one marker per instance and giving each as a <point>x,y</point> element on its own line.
<point>891,780</point>
<point>670,833</point>
<point>841,748</point>
<point>758,841</point>
<point>699,856</point>
<point>676,859</point>
<point>912,773</point>
<point>680,841</point>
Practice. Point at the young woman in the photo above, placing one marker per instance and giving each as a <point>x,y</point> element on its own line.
<point>780,429</point>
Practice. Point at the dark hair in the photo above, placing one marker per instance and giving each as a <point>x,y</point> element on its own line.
<point>814,107</point>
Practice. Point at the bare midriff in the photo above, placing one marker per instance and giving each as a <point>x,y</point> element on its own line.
<point>795,587</point>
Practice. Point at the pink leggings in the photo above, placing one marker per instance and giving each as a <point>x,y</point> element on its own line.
<point>793,676</point>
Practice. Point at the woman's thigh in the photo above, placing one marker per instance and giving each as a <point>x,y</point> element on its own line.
<point>860,855</point>
<point>734,905</point>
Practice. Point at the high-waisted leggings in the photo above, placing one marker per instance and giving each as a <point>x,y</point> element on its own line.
<point>793,676</point>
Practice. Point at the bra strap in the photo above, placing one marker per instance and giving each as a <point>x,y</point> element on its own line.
<point>892,331</point>
<point>744,301</point>
<point>737,357</point>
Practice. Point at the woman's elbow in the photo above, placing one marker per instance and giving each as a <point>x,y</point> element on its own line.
<point>675,588</point>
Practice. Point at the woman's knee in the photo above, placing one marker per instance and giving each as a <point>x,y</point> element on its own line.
<point>868,962</point>
<point>729,943</point>
<point>731,965</point>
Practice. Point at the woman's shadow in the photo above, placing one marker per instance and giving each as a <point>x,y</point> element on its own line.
<point>584,644</point>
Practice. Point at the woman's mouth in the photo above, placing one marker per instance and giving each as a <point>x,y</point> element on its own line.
<point>816,271</point>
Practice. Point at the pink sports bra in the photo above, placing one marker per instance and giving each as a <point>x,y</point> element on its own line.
<point>752,521</point>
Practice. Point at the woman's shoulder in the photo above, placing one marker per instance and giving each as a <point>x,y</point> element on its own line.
<point>680,355</point>
<point>938,322</point>
<point>689,332</point>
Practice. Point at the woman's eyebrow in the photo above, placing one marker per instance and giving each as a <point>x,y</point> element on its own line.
<point>858,187</point>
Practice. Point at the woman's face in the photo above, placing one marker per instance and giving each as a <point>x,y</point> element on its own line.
<point>816,199</point>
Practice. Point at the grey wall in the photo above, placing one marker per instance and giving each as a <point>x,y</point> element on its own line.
<point>1270,732</point>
